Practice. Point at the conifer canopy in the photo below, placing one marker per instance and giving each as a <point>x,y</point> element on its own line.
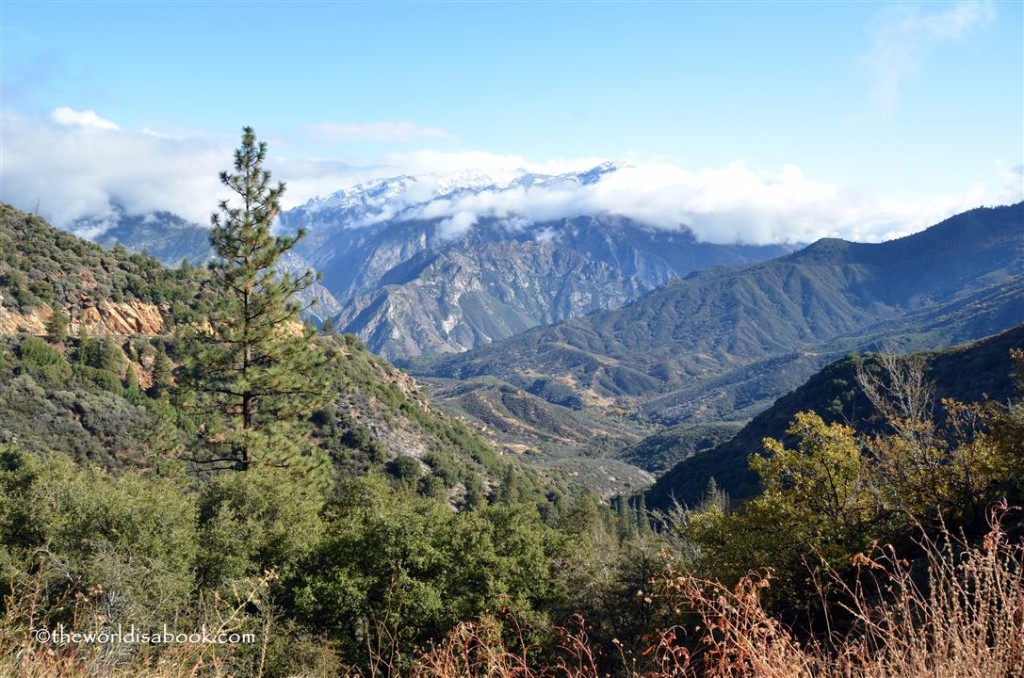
<point>255,373</point>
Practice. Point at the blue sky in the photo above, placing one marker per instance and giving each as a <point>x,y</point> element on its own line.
<point>895,114</point>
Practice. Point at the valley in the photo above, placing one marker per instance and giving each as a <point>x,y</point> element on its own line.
<point>511,339</point>
<point>577,342</point>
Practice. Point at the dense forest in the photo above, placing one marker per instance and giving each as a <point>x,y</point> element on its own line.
<point>252,496</point>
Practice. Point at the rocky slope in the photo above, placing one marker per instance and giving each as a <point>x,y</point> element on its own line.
<point>98,291</point>
<point>464,298</point>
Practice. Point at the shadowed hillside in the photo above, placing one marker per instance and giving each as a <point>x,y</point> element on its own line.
<point>966,373</point>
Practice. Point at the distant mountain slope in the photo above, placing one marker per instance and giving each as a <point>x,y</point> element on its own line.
<point>967,373</point>
<point>163,235</point>
<point>412,290</point>
<point>665,449</point>
<point>524,422</point>
<point>468,297</point>
<point>408,282</point>
<point>737,337</point>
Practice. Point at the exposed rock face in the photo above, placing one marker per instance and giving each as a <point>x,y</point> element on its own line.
<point>34,322</point>
<point>412,291</point>
<point>104,317</point>
<point>131,317</point>
<point>465,299</point>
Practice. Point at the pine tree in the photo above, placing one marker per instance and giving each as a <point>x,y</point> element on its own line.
<point>328,329</point>
<point>57,325</point>
<point>253,369</point>
<point>161,375</point>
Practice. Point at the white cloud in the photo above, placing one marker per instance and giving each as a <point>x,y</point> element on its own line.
<point>903,36</point>
<point>430,161</point>
<point>76,171</point>
<point>71,117</point>
<point>76,165</point>
<point>730,204</point>
<point>373,131</point>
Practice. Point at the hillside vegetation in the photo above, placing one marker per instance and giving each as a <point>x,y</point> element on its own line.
<point>969,373</point>
<point>284,503</point>
<point>96,396</point>
<point>40,265</point>
<point>725,342</point>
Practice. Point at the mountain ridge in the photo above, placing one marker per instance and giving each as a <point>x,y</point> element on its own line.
<point>968,372</point>
<point>393,243</point>
<point>690,332</point>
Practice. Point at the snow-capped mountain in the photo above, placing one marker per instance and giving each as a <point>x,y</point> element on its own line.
<point>405,197</point>
<point>447,262</point>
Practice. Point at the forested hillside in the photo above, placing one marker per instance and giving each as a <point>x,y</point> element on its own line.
<point>723,343</point>
<point>282,502</point>
<point>43,270</point>
<point>970,373</point>
<point>86,377</point>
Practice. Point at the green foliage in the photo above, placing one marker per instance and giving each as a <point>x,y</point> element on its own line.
<point>252,522</point>
<point>836,492</point>
<point>396,570</point>
<point>252,369</point>
<point>42,362</point>
<point>405,469</point>
<point>42,265</point>
<point>57,325</point>
<point>91,377</point>
<point>161,373</point>
<point>100,353</point>
<point>131,538</point>
<point>819,507</point>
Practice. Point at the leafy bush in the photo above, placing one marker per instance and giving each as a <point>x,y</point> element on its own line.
<point>41,361</point>
<point>129,539</point>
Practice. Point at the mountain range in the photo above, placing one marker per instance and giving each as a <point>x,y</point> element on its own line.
<point>585,334</point>
<point>725,342</point>
<point>409,282</point>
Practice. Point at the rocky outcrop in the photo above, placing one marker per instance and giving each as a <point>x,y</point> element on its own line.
<point>33,322</point>
<point>133,317</point>
<point>103,317</point>
<point>466,299</point>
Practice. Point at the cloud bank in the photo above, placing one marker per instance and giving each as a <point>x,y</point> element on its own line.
<point>722,205</point>
<point>76,164</point>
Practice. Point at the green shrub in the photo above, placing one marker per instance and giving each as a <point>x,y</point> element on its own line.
<point>42,361</point>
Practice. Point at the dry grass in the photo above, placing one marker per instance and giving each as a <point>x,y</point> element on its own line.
<point>967,621</point>
<point>23,654</point>
<point>964,619</point>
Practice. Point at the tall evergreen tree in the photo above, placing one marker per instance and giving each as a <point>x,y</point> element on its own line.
<point>161,374</point>
<point>328,328</point>
<point>57,325</point>
<point>253,370</point>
